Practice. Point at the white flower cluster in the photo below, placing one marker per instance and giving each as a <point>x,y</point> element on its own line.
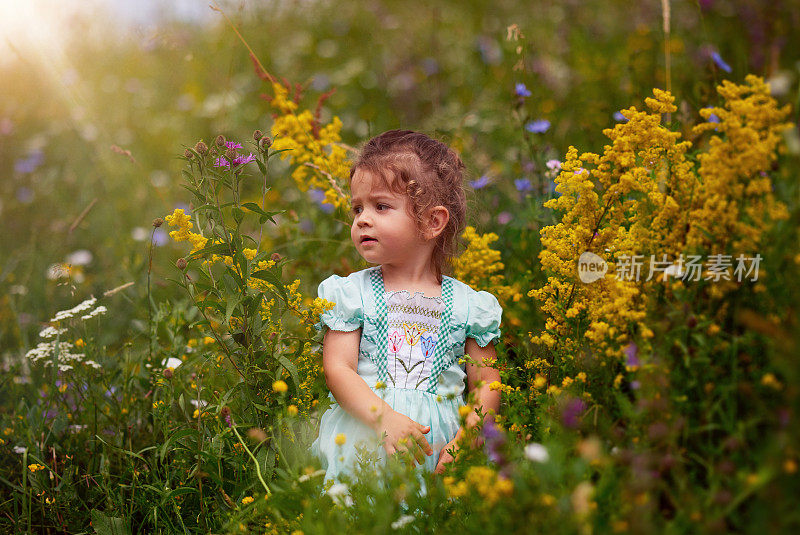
<point>402,521</point>
<point>65,357</point>
<point>96,312</point>
<point>66,314</point>
<point>340,494</point>
<point>51,332</point>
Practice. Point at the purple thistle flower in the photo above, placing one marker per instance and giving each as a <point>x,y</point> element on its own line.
<point>241,160</point>
<point>539,126</point>
<point>232,145</point>
<point>523,185</point>
<point>521,91</point>
<point>221,162</point>
<point>720,62</point>
<point>479,183</point>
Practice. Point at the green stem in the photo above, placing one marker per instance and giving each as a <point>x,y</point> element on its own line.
<point>258,467</point>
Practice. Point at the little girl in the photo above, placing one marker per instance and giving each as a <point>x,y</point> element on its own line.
<point>391,352</point>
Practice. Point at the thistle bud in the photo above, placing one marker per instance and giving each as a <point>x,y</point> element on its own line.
<point>225,412</point>
<point>275,257</point>
<point>220,141</point>
<point>167,373</point>
<point>181,264</point>
<point>231,154</point>
<point>189,154</point>
<point>201,148</point>
<point>157,222</point>
<point>265,142</point>
<point>257,134</point>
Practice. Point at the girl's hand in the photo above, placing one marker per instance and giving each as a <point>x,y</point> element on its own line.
<point>404,434</point>
<point>445,457</point>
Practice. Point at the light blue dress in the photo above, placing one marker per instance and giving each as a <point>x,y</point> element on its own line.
<point>412,345</point>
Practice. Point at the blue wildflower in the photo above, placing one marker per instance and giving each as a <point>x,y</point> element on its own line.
<point>523,184</point>
<point>713,117</point>
<point>480,183</point>
<point>619,117</point>
<point>720,62</point>
<point>319,196</point>
<point>539,126</point>
<point>521,91</point>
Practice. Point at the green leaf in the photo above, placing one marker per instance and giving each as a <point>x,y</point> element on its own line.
<point>220,248</point>
<point>253,207</point>
<point>109,525</point>
<point>291,368</point>
<point>261,167</point>
<point>183,433</point>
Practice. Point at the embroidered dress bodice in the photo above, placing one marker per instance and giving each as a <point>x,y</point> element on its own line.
<point>413,323</point>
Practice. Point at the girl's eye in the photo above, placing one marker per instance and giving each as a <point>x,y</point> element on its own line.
<point>382,205</point>
<point>356,209</point>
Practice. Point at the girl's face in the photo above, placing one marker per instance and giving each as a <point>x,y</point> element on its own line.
<point>382,231</point>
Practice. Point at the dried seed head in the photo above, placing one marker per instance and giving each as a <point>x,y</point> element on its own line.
<point>189,154</point>
<point>181,264</point>
<point>257,134</point>
<point>265,142</point>
<point>157,222</point>
<point>167,373</point>
<point>220,141</point>
<point>231,154</point>
<point>276,257</point>
<point>201,148</point>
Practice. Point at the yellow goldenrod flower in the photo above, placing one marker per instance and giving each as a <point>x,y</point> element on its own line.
<point>247,499</point>
<point>291,410</point>
<point>279,386</point>
<point>340,439</point>
<point>35,467</point>
<point>464,410</point>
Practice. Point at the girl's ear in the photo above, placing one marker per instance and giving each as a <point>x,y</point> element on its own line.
<point>438,216</point>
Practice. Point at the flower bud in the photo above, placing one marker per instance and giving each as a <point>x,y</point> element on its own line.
<point>201,148</point>
<point>225,412</point>
<point>189,154</point>
<point>275,257</point>
<point>181,264</point>
<point>231,154</point>
<point>257,134</point>
<point>167,373</point>
<point>157,222</point>
<point>265,142</point>
<point>220,141</point>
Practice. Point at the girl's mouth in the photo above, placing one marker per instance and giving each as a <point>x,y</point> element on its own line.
<point>368,239</point>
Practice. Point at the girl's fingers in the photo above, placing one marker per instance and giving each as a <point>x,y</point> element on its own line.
<point>423,443</point>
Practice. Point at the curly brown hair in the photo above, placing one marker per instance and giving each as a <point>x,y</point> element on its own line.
<point>430,173</point>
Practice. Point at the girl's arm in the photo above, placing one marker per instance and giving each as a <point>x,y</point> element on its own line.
<point>486,401</point>
<point>340,365</point>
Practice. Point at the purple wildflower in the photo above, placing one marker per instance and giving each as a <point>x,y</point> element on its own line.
<point>571,413</point>
<point>553,165</point>
<point>504,217</point>
<point>521,91</point>
<point>631,352</point>
<point>479,183</point>
<point>720,62</point>
<point>159,237</point>
<point>539,126</point>
<point>493,442</point>
<point>619,117</point>
<point>221,162</point>
<point>241,160</point>
<point>232,145</point>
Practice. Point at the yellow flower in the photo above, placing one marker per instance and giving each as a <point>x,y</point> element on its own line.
<point>208,340</point>
<point>495,385</point>
<point>80,343</point>
<point>340,439</point>
<point>379,385</point>
<point>464,411</point>
<point>539,382</point>
<point>35,467</point>
<point>280,386</point>
<point>247,499</point>
<point>292,410</point>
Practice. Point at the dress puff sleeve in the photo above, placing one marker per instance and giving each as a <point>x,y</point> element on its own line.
<point>483,318</point>
<point>346,315</point>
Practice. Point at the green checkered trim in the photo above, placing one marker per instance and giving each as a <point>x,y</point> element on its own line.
<point>443,342</point>
<point>382,330</point>
<point>381,325</point>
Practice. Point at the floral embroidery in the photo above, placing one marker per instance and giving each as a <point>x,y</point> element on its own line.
<point>396,342</point>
